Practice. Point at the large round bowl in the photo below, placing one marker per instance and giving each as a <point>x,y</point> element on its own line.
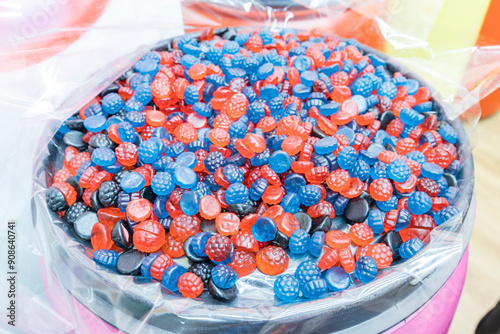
<point>138,304</point>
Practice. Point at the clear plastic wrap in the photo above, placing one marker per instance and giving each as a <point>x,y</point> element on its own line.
<point>56,273</point>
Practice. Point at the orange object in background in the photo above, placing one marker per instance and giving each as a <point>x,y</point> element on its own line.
<point>490,35</point>
<point>333,18</point>
<point>349,22</point>
<point>25,40</point>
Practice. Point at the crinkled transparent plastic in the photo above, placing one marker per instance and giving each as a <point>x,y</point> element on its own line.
<point>59,275</point>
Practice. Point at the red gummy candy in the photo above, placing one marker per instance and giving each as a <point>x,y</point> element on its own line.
<point>329,259</point>
<point>100,237</point>
<point>190,285</point>
<point>361,234</point>
<point>218,248</point>
<point>159,265</point>
<point>172,247</point>
<point>227,223</point>
<point>245,241</point>
<point>184,226</point>
<point>243,263</point>
<point>337,239</point>
<point>272,260</point>
<point>149,236</point>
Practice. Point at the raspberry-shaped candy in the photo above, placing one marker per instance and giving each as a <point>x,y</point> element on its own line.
<point>233,174</point>
<point>410,248</point>
<point>191,94</point>
<point>361,234</point>
<point>126,132</point>
<point>441,157</point>
<point>419,203</point>
<point>329,259</point>
<point>108,193</point>
<point>243,263</point>
<point>398,170</point>
<point>339,78</point>
<point>62,175</point>
<point>338,180</point>
<point>299,242</point>
<point>218,248</point>
<point>366,269</point>
<point>337,239</point>
<point>314,289</point>
<point>149,236</point>
<point>388,89</point>
<point>190,285</point>
<point>75,211</point>
<point>224,276</point>
<point>381,190</point>
<point>255,112</point>
<point>183,226</point>
<point>222,121</point>
<point>317,175</point>
<point>227,223</point>
<point>213,161</point>
<point>310,194</point>
<point>159,265</point>
<point>99,178</point>
<point>186,133</point>
<point>362,86</point>
<point>136,118</point>
<point>56,200</point>
<point>379,170</point>
<point>270,175</point>
<point>272,260</point>
<point>361,170</point>
<point>77,160</point>
<point>405,146</point>
<point>203,270</point>
<point>245,241</point>
<point>395,127</point>
<point>347,260</point>
<point>236,193</point>
<point>448,133</point>
<point>101,140</point>
<point>126,154</point>
<point>286,287</point>
<point>235,107</point>
<point>307,271</point>
<point>139,209</point>
<point>347,158</point>
<point>254,43</point>
<point>149,151</point>
<point>219,137</point>
<point>172,247</point>
<point>162,184</point>
<point>112,103</point>
<point>381,253</point>
<point>258,188</point>
<point>446,214</point>
<point>428,186</point>
<point>67,190</point>
<point>106,257</point>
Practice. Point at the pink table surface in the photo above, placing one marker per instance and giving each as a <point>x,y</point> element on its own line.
<point>436,315</point>
<point>433,317</point>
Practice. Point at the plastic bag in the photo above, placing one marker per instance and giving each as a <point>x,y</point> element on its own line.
<point>58,283</point>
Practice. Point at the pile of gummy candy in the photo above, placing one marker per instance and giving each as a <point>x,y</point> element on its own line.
<point>241,152</point>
